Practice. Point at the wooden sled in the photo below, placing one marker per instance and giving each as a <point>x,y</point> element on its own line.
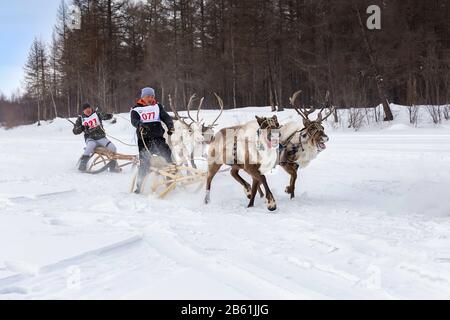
<point>163,179</point>
<point>101,158</point>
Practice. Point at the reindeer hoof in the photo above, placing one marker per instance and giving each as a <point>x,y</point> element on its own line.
<point>207,197</point>
<point>251,205</point>
<point>272,205</point>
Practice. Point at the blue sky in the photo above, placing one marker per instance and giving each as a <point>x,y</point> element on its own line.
<point>20,22</point>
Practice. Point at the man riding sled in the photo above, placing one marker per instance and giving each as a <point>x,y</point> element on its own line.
<point>90,123</point>
<point>147,117</point>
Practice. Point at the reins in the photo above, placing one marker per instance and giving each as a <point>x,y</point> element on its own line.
<point>118,140</point>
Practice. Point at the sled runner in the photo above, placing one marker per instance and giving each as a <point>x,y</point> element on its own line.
<point>102,157</point>
<point>163,179</point>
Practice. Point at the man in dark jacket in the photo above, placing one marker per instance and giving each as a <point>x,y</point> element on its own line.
<point>147,117</point>
<point>90,123</point>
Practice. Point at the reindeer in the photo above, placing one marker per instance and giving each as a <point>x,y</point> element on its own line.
<point>248,147</point>
<point>208,131</point>
<point>189,135</point>
<point>301,142</point>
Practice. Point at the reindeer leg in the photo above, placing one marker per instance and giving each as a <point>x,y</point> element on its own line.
<point>252,197</point>
<point>291,169</point>
<point>238,178</point>
<point>192,161</point>
<point>212,171</point>
<point>271,203</point>
<point>261,193</point>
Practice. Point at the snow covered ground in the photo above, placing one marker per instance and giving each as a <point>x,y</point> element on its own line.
<point>371,220</point>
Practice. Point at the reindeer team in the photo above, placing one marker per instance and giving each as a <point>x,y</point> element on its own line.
<point>255,147</point>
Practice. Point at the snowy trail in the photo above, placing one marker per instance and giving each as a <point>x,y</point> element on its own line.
<point>371,220</point>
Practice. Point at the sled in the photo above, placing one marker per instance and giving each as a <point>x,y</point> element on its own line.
<point>101,158</point>
<point>162,179</point>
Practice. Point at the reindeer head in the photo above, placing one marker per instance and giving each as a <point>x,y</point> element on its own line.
<point>268,123</point>
<point>313,132</point>
<point>190,132</point>
<point>269,130</point>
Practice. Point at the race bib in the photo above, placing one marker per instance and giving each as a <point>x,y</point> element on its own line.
<point>149,114</point>
<point>91,122</point>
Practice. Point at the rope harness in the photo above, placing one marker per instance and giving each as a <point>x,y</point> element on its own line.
<point>109,136</point>
<point>118,140</point>
<point>304,133</point>
<point>118,115</point>
<point>271,123</point>
<point>141,131</point>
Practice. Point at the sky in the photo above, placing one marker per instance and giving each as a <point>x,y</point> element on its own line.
<point>20,22</point>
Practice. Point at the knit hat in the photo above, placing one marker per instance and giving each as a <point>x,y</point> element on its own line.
<point>148,92</point>
<point>85,106</point>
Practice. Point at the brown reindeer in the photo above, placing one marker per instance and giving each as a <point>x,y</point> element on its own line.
<point>300,142</point>
<point>247,147</point>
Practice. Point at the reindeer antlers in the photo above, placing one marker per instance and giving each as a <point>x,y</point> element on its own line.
<point>327,105</point>
<point>191,99</point>
<point>305,112</point>
<point>200,108</point>
<point>294,97</point>
<point>221,104</point>
<point>321,118</point>
<point>175,112</point>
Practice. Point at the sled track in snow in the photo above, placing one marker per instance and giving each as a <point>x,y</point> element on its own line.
<point>17,284</point>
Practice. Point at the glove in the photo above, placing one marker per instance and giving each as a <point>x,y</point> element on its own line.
<point>171,131</point>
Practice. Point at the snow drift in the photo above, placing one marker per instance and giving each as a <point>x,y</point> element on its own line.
<point>371,220</point>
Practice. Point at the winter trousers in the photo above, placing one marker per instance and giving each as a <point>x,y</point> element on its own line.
<point>92,144</point>
<point>156,146</point>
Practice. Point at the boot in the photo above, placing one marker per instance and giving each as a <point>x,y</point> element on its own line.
<point>140,180</point>
<point>83,163</point>
<point>114,167</point>
<point>138,185</point>
<point>142,172</point>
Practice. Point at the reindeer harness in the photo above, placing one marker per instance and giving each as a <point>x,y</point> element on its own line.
<point>296,146</point>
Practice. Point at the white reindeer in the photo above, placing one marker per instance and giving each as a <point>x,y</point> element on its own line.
<point>190,136</point>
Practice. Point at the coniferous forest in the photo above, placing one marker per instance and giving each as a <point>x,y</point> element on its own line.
<point>250,52</point>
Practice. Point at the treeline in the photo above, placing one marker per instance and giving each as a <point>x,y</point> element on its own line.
<point>251,52</point>
<point>15,111</point>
